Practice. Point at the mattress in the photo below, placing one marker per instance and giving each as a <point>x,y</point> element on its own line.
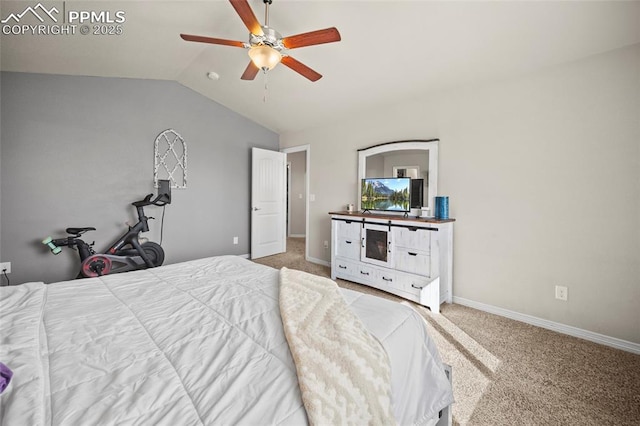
<point>199,342</point>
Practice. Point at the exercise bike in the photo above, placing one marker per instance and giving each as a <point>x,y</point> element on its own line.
<point>127,253</point>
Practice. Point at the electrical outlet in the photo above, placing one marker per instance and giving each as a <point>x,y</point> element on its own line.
<point>326,244</point>
<point>562,292</point>
<point>235,240</point>
<point>5,267</point>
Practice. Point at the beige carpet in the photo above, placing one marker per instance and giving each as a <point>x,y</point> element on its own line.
<point>509,373</point>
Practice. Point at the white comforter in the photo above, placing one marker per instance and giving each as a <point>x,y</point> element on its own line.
<point>199,342</point>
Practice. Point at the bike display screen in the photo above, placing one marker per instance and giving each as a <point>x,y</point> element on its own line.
<point>164,188</point>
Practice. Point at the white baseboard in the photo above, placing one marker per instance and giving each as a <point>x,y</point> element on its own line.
<point>551,325</point>
<point>245,256</point>
<point>318,261</point>
<point>297,235</point>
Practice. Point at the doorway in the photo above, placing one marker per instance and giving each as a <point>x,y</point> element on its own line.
<point>298,160</point>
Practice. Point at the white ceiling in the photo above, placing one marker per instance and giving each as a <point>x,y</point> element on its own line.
<point>390,50</point>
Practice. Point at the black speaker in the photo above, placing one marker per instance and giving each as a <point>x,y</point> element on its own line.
<point>417,189</point>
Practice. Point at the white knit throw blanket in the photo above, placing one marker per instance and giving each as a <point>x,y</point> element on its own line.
<point>343,371</point>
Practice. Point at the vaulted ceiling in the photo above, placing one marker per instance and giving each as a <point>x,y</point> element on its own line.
<point>390,50</point>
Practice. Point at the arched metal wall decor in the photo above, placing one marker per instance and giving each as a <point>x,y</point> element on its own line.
<point>170,159</point>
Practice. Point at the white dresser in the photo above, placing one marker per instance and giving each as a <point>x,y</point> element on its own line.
<point>409,257</point>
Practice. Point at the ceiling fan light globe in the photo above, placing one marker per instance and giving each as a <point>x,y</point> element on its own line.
<point>264,57</point>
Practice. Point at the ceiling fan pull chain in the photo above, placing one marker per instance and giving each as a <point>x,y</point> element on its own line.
<point>266,88</point>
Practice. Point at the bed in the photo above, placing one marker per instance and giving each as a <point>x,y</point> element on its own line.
<point>199,342</point>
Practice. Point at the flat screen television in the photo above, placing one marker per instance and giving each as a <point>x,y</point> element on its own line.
<point>386,194</point>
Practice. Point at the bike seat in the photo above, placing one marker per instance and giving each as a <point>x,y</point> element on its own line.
<point>78,231</point>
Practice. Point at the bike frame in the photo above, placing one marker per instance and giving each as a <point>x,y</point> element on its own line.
<point>131,237</point>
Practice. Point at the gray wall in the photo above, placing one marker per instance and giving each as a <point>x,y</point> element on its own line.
<point>76,151</point>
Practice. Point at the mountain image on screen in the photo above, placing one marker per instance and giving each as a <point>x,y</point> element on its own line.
<point>386,194</point>
<point>380,188</point>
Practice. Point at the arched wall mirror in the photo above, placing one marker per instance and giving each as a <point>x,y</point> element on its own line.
<point>417,159</point>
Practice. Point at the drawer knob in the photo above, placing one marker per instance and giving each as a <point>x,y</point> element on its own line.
<point>412,254</point>
<point>415,286</point>
<point>364,273</point>
<point>342,267</point>
<point>348,242</point>
<point>387,279</point>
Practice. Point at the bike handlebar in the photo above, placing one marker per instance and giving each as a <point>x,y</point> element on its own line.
<point>159,201</point>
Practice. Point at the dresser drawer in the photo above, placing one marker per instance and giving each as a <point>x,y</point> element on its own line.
<point>366,273</point>
<point>387,277</point>
<point>345,268</point>
<point>411,284</point>
<point>348,229</point>
<point>348,247</point>
<point>414,262</point>
<point>416,239</point>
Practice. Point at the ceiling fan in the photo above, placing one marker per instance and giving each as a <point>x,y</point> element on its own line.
<point>266,46</point>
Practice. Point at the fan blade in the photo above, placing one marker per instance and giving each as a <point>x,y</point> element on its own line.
<point>328,35</point>
<point>212,40</point>
<point>301,68</point>
<point>246,14</point>
<point>251,72</point>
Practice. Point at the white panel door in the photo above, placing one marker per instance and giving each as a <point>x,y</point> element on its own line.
<point>268,202</point>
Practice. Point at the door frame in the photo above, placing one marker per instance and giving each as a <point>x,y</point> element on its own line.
<point>307,179</point>
<point>288,192</point>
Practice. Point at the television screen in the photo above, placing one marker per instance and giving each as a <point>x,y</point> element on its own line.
<point>386,194</point>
